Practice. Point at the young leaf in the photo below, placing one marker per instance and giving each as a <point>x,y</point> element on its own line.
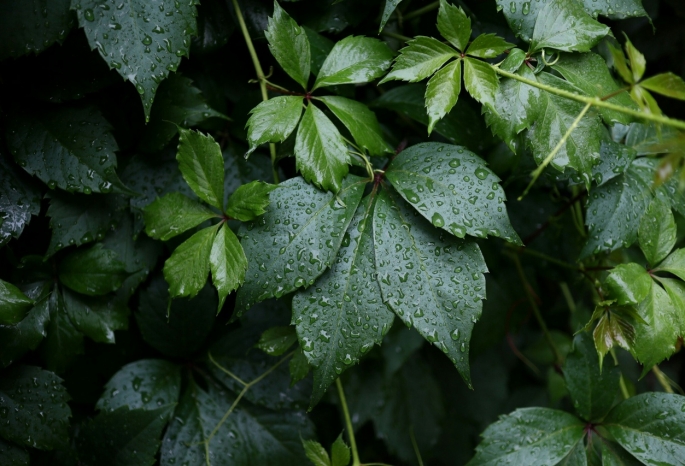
<point>564,25</point>
<point>438,180</point>
<point>277,340</point>
<point>187,268</point>
<point>172,215</point>
<point>336,325</point>
<point>620,63</point>
<point>430,279</point>
<point>480,80</point>
<point>514,60</point>
<point>354,60</point>
<point>40,420</point>
<point>488,46</point>
<point>320,152</point>
<point>657,231</point>
<point>650,427</point>
<point>161,40</point>
<point>273,120</point>
<point>96,317</point>
<point>145,384</point>
<point>675,264</point>
<point>288,45</point>
<point>249,201</point>
<point>320,48</point>
<point>14,305</point>
<point>629,284</point>
<point>94,271</point>
<point>340,453</point>
<point>454,25</point>
<point>316,453</point>
<point>360,122</point>
<point>533,436</point>
<point>304,233</point>
<point>668,84</point>
<point>19,199</point>
<point>422,57</point>
<point>615,327</point>
<point>637,61</point>
<point>227,262</point>
<point>202,165</point>
<point>442,92</point>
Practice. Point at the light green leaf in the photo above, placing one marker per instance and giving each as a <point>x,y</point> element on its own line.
<point>202,165</point>
<point>329,314</point>
<point>340,453</point>
<point>388,10</point>
<point>431,280</point>
<point>360,122</point>
<point>657,231</point>
<point>187,268</point>
<point>454,25</point>
<point>564,25</point>
<point>316,453</point>
<point>161,39</point>
<point>442,92</point>
<point>422,57</point>
<point>628,284</point>
<point>488,46</point>
<point>320,152</point>
<point>277,340</point>
<point>96,317</point>
<point>249,201</point>
<point>304,232</point>
<point>288,45</point>
<point>227,262</point>
<point>273,120</point>
<point>675,264</point>
<point>637,61</point>
<point>620,63</point>
<point>668,84</point>
<point>514,60</point>
<point>480,81</point>
<point>354,60</point>
<point>14,305</point>
<point>454,190</point>
<point>530,436</point>
<point>172,215</point>
<point>94,271</point>
<point>615,327</point>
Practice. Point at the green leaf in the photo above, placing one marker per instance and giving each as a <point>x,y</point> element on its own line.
<point>239,171</point>
<point>304,232</point>
<point>96,317</point>
<point>614,159</point>
<point>398,346</point>
<point>12,454</point>
<point>40,420</point>
<point>320,152</point>
<point>26,335</point>
<point>614,455</point>
<point>202,165</point>
<point>178,102</point>
<point>187,268</point>
<point>531,436</point>
<point>388,10</point>
<point>288,45</point>
<point>227,262</point>
<point>422,57</point>
<point>430,279</point>
<point>582,148</point>
<point>619,62</point>
<point>19,199</point>
<point>592,388</point>
<point>480,80</point>
<point>637,61</point>
<point>675,264</point>
<point>454,25</point>
<point>488,46</point>
<point>122,437</point>
<point>316,453</point>
<point>442,92</point>
<point>145,384</point>
<point>277,340</point>
<point>56,146</point>
<point>94,271</point>
<point>161,39</point>
<point>320,48</point>
<point>514,60</point>
<point>178,330</point>
<point>629,284</point>
<point>249,201</point>
<point>589,73</point>
<point>576,457</point>
<point>63,342</point>
<point>650,427</point>
<point>14,305</point>
<point>564,25</point>
<point>32,26</point>
<point>342,315</point>
<point>273,120</point>
<point>668,84</point>
<point>298,367</point>
<point>614,210</point>
<point>340,453</point>
<point>453,189</point>
<point>615,327</point>
<point>360,122</point>
<point>657,231</point>
<point>174,214</point>
<point>354,60</point>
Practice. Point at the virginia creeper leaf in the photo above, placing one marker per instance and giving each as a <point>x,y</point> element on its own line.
<point>17,339</point>
<point>320,47</point>
<point>668,84</point>
<point>629,284</point>
<point>657,231</point>
<point>249,201</point>
<point>354,60</point>
<point>202,165</point>
<point>19,199</point>
<point>340,453</point>
<point>94,271</point>
<point>480,80</point>
<point>96,317</point>
<point>174,214</point>
<point>488,46</point>
<point>289,45</point>
<point>316,453</point>
<point>227,262</point>
<point>14,305</point>
<point>422,57</point>
<point>454,25</point>
<point>637,60</point>
<point>273,120</point>
<point>277,340</point>
<point>674,263</point>
<point>564,25</point>
<point>388,10</point>
<point>187,268</point>
<point>442,92</point>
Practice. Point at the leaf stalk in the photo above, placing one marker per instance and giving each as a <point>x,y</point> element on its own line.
<point>348,423</point>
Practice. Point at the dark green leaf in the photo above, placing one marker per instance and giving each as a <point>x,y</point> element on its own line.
<point>442,92</point>
<point>94,271</point>
<point>657,232</point>
<point>13,455</point>
<point>342,315</point>
<point>388,10</point>
<point>33,406</point>
<point>161,39</point>
<point>629,284</point>
<point>273,120</point>
<point>488,46</point>
<point>398,346</point>
<point>201,163</point>
<point>57,146</point>
<point>227,262</point>
<point>26,335</point>
<point>97,317</point>
<point>316,453</point>
<point>320,48</point>
<point>480,80</point>
<point>277,340</point>
<point>288,45</point>
<point>340,453</point>
<point>454,25</point>
<point>614,455</point>
<point>430,279</point>
<point>614,159</point>
<point>187,268</point>
<point>354,60</point>
<point>439,180</point>
<point>298,367</point>
<point>576,457</point>
<point>174,214</point>
<point>14,305</point>
<point>239,171</point>
<point>63,342</point>
<point>249,201</point>
<point>422,57</point>
<point>147,384</point>
<point>307,227</point>
<point>19,199</point>
<point>675,264</point>
<point>564,25</point>
<point>668,84</point>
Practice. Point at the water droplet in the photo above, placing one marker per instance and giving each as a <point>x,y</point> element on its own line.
<point>88,14</point>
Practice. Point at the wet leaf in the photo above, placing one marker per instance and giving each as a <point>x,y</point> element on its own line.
<point>94,271</point>
<point>288,45</point>
<point>657,231</point>
<point>354,60</point>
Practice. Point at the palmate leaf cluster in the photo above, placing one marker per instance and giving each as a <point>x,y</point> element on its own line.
<point>212,213</point>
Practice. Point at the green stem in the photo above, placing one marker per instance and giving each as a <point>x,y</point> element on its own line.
<point>663,379</point>
<point>621,380</point>
<point>534,253</point>
<point>594,101</point>
<point>422,11</point>
<point>417,452</point>
<point>394,35</point>
<point>260,76</point>
<point>348,423</point>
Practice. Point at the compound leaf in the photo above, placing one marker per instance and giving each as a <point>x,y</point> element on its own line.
<point>354,60</point>
<point>187,268</point>
<point>422,57</point>
<point>172,215</point>
<point>202,166</point>
<point>227,262</point>
<point>289,45</point>
<point>564,25</point>
<point>249,201</point>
